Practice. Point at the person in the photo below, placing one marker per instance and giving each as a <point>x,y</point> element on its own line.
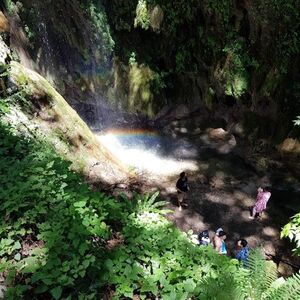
<point>203,238</point>
<point>220,245</point>
<point>243,252</point>
<point>262,198</point>
<point>182,189</point>
<point>217,234</point>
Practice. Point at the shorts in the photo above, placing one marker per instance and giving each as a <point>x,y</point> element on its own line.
<point>181,196</point>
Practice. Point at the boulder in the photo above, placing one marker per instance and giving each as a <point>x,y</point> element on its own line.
<point>156,18</point>
<point>285,269</point>
<point>289,146</point>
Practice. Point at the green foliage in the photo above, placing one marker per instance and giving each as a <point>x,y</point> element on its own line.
<point>132,58</point>
<point>292,231</point>
<point>158,259</point>
<point>54,232</point>
<point>297,121</point>
<point>142,18</point>
<point>99,21</point>
<point>223,9</point>
<point>9,5</point>
<point>50,218</point>
<point>235,69</point>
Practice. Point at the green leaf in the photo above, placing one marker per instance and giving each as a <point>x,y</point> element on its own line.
<point>80,203</point>
<point>16,246</point>
<point>50,164</point>
<point>17,256</point>
<point>56,292</point>
<point>82,248</point>
<point>41,289</point>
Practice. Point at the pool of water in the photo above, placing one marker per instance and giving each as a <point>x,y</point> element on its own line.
<point>146,150</point>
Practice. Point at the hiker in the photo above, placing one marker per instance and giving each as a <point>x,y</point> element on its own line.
<point>243,252</point>
<point>263,196</point>
<point>220,245</point>
<point>182,189</point>
<point>203,238</point>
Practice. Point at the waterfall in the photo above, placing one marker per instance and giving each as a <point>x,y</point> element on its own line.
<point>47,55</point>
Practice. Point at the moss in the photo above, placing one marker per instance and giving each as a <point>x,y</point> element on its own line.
<point>62,125</point>
<point>271,82</point>
<point>140,95</point>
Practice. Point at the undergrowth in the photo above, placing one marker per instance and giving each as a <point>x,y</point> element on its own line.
<point>57,239</point>
<point>54,231</point>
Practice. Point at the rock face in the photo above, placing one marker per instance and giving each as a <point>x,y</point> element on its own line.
<point>4,25</point>
<point>4,52</point>
<point>196,54</point>
<point>61,126</point>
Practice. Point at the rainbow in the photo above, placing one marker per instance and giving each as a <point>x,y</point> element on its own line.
<point>138,132</point>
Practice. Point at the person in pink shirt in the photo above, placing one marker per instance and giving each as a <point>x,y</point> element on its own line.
<point>262,198</point>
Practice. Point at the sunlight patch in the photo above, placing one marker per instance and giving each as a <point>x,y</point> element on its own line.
<point>151,220</point>
<point>147,151</point>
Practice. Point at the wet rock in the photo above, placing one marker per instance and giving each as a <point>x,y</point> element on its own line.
<point>285,269</point>
<point>4,52</point>
<point>289,146</point>
<point>238,130</point>
<point>156,18</point>
<point>4,25</point>
<point>219,139</point>
<point>3,289</point>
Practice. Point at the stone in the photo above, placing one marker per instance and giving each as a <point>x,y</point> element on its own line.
<point>3,289</point>
<point>156,18</point>
<point>289,146</point>
<point>217,133</point>
<point>4,24</point>
<point>285,269</point>
<point>238,130</point>
<point>4,52</point>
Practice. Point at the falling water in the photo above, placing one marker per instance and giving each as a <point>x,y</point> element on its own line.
<point>47,51</point>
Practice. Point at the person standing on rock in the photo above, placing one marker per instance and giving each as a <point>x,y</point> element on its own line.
<point>262,198</point>
<point>182,189</point>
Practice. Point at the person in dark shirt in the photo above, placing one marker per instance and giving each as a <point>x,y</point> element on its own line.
<point>182,189</point>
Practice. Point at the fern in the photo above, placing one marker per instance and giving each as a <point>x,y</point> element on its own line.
<point>149,203</point>
<point>261,274</point>
<point>288,290</point>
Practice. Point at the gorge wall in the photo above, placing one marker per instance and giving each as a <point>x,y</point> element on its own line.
<point>234,61</point>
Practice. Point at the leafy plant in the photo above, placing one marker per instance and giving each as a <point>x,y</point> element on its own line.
<point>142,15</point>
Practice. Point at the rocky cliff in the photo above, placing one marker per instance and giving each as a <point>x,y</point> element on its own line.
<point>234,60</point>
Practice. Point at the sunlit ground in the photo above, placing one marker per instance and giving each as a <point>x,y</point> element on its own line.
<point>147,151</point>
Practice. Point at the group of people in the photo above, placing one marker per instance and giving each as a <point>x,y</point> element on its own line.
<point>242,251</point>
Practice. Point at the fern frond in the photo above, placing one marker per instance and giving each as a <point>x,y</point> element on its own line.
<point>289,290</point>
<point>262,274</point>
<point>242,283</point>
<point>223,287</point>
<point>153,198</point>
